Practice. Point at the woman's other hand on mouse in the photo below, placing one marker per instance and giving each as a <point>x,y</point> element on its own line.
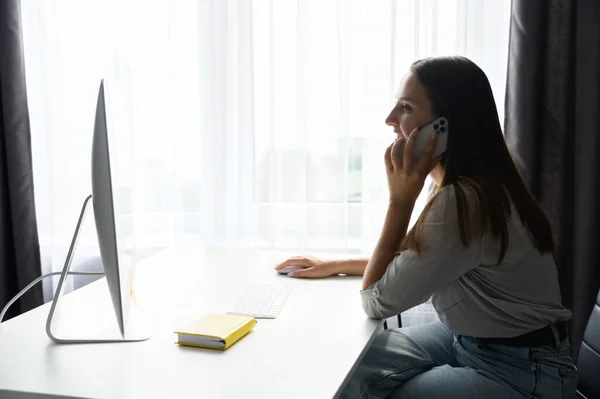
<point>314,267</point>
<point>319,268</point>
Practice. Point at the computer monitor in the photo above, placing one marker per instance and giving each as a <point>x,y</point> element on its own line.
<point>98,324</point>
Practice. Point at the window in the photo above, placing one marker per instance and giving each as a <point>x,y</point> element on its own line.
<point>235,122</point>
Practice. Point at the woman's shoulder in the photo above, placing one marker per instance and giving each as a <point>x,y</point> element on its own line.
<point>464,188</point>
<point>446,202</point>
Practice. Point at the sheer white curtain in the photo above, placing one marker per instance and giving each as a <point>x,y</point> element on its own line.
<point>234,122</point>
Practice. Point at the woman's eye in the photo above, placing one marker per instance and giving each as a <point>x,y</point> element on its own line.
<point>405,107</point>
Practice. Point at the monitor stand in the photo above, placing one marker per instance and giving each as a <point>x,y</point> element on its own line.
<point>96,322</point>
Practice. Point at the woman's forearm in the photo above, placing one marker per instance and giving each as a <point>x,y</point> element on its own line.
<point>352,267</point>
<point>394,230</point>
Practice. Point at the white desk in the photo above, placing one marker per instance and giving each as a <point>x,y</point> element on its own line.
<point>306,352</point>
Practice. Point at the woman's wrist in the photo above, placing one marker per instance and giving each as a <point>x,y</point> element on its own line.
<point>402,203</point>
<point>394,229</point>
<point>354,267</point>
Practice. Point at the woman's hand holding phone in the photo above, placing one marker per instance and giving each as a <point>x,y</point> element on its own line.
<point>405,174</point>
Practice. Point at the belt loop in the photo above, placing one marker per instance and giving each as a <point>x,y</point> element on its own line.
<point>555,334</point>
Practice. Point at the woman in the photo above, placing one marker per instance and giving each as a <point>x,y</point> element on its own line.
<point>481,249</point>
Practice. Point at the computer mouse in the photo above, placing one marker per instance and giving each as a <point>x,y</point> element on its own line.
<point>289,269</point>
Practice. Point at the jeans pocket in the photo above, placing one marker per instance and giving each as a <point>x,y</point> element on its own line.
<point>569,381</point>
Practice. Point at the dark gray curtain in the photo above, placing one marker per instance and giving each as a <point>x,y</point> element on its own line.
<point>19,246</point>
<point>552,127</point>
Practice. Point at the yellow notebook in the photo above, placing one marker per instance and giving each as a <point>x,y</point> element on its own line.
<point>215,331</point>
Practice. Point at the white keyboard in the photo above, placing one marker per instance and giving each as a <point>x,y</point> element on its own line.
<point>261,301</point>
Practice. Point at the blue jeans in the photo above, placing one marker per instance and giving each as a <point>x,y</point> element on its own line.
<point>428,361</point>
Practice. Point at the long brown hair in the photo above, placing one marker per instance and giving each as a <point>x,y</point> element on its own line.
<point>476,158</point>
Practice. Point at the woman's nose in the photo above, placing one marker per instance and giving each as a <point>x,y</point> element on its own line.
<point>391,120</point>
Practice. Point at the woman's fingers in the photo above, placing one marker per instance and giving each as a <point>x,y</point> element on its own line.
<point>293,261</point>
<point>308,272</point>
<point>388,158</point>
<point>397,153</point>
<point>425,160</point>
<point>409,149</point>
<point>313,272</point>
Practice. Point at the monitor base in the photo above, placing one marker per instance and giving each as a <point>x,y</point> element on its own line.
<point>98,323</point>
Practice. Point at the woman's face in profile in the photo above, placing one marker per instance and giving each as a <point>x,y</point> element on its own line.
<point>413,108</point>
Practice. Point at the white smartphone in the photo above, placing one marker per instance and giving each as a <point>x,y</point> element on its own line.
<point>439,127</point>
